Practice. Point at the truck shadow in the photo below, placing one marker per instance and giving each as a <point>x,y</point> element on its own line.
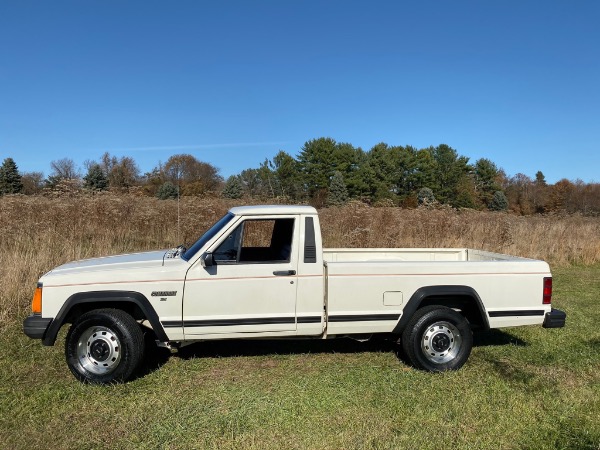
<point>496,337</point>
<point>265,347</point>
<point>156,356</point>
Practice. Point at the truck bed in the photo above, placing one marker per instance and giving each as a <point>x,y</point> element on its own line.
<point>379,282</point>
<point>414,255</point>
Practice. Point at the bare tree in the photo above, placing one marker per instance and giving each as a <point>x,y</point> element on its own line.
<point>33,182</point>
<point>64,169</point>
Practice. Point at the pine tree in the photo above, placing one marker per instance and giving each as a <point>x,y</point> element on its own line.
<point>167,190</point>
<point>338,194</point>
<point>10,178</point>
<point>450,170</point>
<point>425,196</point>
<point>95,179</point>
<point>320,158</point>
<point>499,202</point>
<point>540,178</point>
<point>486,174</point>
<point>233,188</point>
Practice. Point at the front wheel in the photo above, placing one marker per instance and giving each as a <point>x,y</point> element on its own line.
<point>104,346</point>
<point>437,339</point>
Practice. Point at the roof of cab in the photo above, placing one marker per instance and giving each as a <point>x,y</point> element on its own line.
<point>270,210</point>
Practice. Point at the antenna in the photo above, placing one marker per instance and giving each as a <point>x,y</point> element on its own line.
<point>178,214</point>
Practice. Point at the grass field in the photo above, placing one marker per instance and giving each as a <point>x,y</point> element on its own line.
<point>522,388</point>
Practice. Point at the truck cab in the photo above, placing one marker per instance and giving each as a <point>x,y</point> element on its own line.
<point>261,274</point>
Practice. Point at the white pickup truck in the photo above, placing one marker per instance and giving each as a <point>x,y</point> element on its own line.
<point>261,272</point>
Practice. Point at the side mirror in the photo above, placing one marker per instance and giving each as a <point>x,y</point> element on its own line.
<point>207,260</point>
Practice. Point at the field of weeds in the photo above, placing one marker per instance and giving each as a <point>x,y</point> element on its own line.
<point>38,233</point>
<point>522,388</point>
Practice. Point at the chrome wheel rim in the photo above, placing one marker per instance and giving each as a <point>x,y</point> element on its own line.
<point>99,350</point>
<point>441,342</point>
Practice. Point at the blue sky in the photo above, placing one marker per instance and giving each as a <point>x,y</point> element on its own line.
<point>234,82</point>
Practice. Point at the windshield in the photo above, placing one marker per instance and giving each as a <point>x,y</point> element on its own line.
<point>207,236</point>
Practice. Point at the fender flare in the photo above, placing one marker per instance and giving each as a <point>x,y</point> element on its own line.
<point>100,298</point>
<point>439,291</point>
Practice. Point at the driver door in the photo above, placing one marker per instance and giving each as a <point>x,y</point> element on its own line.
<point>251,288</point>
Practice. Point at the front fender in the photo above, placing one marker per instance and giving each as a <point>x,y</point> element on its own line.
<point>104,299</point>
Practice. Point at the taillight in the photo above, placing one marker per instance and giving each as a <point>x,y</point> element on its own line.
<point>547,299</point>
<point>36,303</point>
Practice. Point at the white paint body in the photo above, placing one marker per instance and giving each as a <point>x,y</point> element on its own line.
<point>247,300</point>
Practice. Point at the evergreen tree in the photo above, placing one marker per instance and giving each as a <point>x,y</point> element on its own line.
<point>252,183</point>
<point>464,194</point>
<point>167,190</point>
<point>486,175</point>
<point>540,178</point>
<point>315,164</point>
<point>499,202</point>
<point>320,158</point>
<point>268,178</point>
<point>451,171</point>
<point>10,178</point>
<point>425,196</point>
<point>384,163</point>
<point>95,179</point>
<point>285,169</point>
<point>52,181</point>
<point>539,193</point>
<point>338,194</point>
<point>233,188</point>
<point>364,183</point>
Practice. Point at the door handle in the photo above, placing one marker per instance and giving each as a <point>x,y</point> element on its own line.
<point>284,273</point>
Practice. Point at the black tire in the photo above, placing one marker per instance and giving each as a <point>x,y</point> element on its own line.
<point>437,339</point>
<point>104,346</point>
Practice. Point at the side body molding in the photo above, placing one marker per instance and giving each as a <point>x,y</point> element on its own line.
<point>451,296</point>
<point>128,300</point>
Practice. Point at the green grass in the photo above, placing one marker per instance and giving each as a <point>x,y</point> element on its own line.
<point>522,388</point>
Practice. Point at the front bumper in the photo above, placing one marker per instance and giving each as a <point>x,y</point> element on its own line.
<point>35,326</point>
<point>555,319</point>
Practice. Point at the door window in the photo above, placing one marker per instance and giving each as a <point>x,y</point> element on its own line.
<point>257,241</point>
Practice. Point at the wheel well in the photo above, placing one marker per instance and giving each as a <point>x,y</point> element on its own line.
<point>133,303</point>
<point>461,298</point>
<point>81,308</point>
<point>464,304</point>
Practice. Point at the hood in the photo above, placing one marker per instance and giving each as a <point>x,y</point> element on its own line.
<point>117,262</point>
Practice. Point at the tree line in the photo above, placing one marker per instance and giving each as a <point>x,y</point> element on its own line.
<point>324,172</point>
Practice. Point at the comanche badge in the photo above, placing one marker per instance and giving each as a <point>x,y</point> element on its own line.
<point>164,293</point>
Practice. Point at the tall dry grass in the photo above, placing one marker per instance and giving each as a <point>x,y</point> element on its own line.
<point>38,233</point>
<point>560,240</point>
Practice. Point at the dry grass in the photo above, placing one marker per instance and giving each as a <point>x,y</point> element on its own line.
<point>38,233</point>
<point>560,240</point>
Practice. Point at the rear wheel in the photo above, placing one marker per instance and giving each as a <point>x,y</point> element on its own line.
<point>437,339</point>
<point>104,346</point>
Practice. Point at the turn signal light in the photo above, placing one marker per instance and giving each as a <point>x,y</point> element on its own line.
<point>36,303</point>
<point>547,299</point>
